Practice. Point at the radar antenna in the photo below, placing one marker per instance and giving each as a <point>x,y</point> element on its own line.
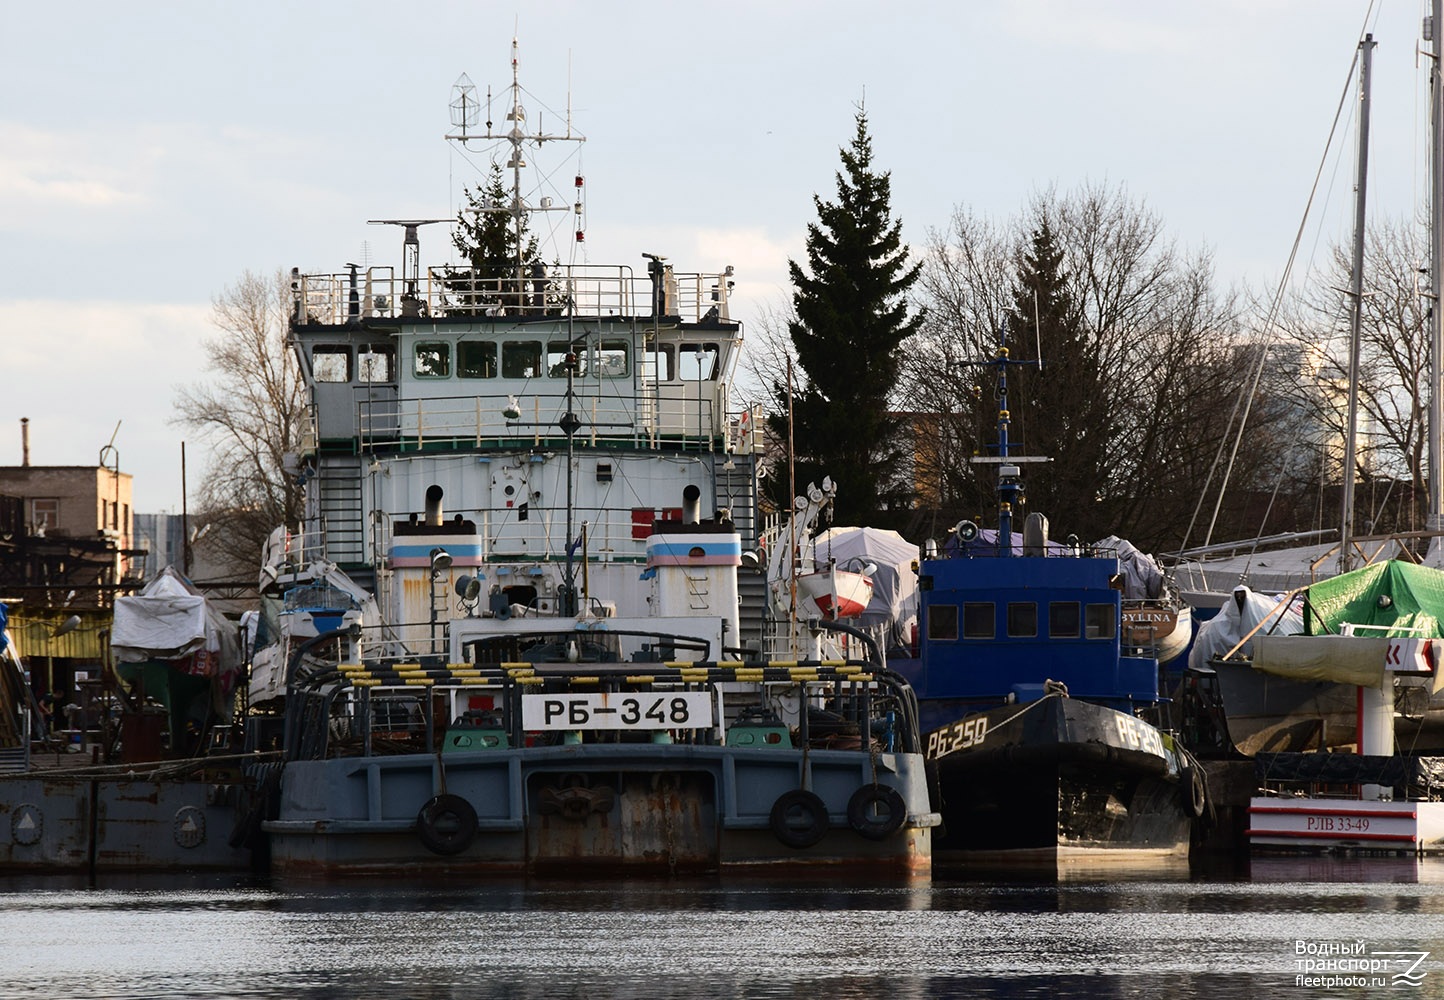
<point>411,260</point>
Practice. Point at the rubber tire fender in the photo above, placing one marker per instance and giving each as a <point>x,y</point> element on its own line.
<point>892,811</point>
<point>1193,789</point>
<point>790,807</point>
<point>446,824</point>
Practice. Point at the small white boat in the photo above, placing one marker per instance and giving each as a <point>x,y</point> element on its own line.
<point>838,593</point>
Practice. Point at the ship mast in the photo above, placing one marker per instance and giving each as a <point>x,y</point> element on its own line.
<point>1010,483</point>
<point>1356,295</point>
<point>465,110</point>
<point>1435,515</point>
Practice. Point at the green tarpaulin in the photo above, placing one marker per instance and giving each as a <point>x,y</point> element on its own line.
<point>1401,599</point>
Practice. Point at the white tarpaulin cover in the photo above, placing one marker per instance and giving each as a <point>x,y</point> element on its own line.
<point>165,621</point>
<point>1143,580</point>
<point>170,620</point>
<point>1236,619</point>
<point>894,583</point>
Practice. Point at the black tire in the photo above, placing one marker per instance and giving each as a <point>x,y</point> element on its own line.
<point>799,818</point>
<point>876,811</point>
<point>1193,789</point>
<point>446,824</point>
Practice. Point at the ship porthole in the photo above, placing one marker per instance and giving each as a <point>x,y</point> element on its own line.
<point>876,811</point>
<point>799,818</point>
<point>446,824</point>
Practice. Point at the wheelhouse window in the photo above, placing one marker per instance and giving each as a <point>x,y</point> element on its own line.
<point>943,621</point>
<point>376,364</point>
<point>433,360</point>
<point>697,362</point>
<point>557,351</point>
<point>475,359</point>
<point>331,363</point>
<point>1065,619</point>
<point>979,620</point>
<point>1102,621</point>
<point>521,358</point>
<point>659,363</point>
<point>611,360</point>
<point>1022,619</point>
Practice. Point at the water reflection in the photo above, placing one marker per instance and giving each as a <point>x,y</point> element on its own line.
<point>1126,936</point>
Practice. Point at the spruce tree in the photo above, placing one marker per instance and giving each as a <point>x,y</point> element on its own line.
<point>852,317</point>
<point>487,236</point>
<point>1059,409</point>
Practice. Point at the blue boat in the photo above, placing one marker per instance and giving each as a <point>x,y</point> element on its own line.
<point>1041,710</point>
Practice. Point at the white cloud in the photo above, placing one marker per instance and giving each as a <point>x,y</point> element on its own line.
<point>41,171</point>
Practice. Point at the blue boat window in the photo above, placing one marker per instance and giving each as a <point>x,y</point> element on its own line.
<point>476,359</point>
<point>979,620</point>
<point>1065,620</point>
<point>943,621</point>
<point>433,360</point>
<point>1022,619</point>
<point>1102,621</point>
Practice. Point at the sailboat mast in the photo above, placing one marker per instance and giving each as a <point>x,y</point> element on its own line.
<point>1356,296</point>
<point>1435,511</point>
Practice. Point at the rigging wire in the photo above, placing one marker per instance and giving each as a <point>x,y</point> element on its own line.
<point>1243,404</point>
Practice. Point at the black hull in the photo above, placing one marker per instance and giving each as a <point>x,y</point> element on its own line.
<point>1058,780</point>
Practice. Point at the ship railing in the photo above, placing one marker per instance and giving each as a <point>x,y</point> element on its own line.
<point>377,707</point>
<point>482,421</point>
<point>980,549</point>
<point>543,290</point>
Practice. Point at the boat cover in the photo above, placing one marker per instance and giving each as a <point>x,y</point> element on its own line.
<point>170,620</point>
<point>1423,776</point>
<point>1143,578</point>
<point>1271,572</point>
<point>1341,659</point>
<point>1239,616</point>
<point>1394,595</point>
<point>894,584</point>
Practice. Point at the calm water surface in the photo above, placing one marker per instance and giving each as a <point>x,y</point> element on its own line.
<point>1119,935</point>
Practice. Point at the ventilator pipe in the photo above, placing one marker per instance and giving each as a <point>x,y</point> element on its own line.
<point>433,506</point>
<point>691,505</point>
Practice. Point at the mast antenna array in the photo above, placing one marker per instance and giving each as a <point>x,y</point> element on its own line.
<point>465,110</point>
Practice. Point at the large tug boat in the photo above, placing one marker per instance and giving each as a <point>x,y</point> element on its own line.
<point>510,633</point>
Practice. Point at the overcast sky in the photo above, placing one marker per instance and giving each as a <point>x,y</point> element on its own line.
<point>150,153</point>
